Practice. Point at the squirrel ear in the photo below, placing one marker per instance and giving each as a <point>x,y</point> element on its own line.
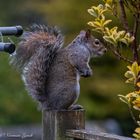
<point>88,34</point>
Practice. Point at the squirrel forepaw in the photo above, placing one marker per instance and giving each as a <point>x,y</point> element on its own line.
<point>86,73</point>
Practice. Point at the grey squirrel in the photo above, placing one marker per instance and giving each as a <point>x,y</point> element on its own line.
<point>51,73</point>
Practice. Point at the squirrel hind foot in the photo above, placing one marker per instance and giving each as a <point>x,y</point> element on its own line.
<point>75,107</point>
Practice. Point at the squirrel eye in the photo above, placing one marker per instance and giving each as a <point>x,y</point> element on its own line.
<point>97,42</point>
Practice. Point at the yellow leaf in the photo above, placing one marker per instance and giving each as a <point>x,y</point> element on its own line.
<point>98,24</point>
<point>114,29</point>
<point>93,24</point>
<point>107,31</point>
<point>129,38</point>
<point>137,130</point>
<point>95,7</point>
<point>133,73</point>
<point>137,92</point>
<point>138,84</point>
<point>90,23</point>
<point>129,74</point>
<point>99,10</point>
<point>136,108</point>
<point>108,6</point>
<point>99,30</point>
<point>107,22</point>
<point>135,135</point>
<point>121,33</point>
<point>132,39</point>
<point>124,41</point>
<point>123,99</point>
<point>129,67</point>
<point>92,12</point>
<point>129,95</point>
<point>135,68</point>
<point>130,80</point>
<point>108,1</point>
<point>137,102</point>
<point>109,39</point>
<point>127,35</point>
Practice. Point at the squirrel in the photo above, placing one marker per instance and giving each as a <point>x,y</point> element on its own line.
<point>51,73</point>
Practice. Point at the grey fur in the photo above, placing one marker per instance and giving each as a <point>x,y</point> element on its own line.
<point>51,74</point>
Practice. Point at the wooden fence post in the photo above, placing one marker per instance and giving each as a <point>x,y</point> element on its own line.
<point>55,123</point>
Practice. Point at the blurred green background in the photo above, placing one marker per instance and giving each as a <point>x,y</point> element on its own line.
<point>99,94</point>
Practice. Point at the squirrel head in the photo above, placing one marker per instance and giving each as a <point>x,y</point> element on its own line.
<point>94,45</point>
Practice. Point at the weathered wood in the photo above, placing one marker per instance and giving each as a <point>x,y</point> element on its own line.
<point>55,123</point>
<point>93,135</point>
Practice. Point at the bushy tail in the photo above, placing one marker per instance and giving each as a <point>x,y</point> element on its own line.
<point>36,37</point>
<point>34,55</point>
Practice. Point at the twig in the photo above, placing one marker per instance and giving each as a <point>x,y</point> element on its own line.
<point>136,24</point>
<point>119,55</point>
<point>123,16</point>
<point>134,44</point>
<point>132,114</point>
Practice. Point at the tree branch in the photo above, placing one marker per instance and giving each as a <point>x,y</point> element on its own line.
<point>123,16</point>
<point>134,44</point>
<point>136,25</point>
<point>119,55</point>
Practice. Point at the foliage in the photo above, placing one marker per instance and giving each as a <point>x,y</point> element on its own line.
<point>97,96</point>
<point>116,39</point>
<point>133,73</point>
<point>133,99</point>
<point>100,24</point>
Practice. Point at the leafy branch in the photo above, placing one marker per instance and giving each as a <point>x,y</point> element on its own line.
<point>115,39</point>
<point>111,35</point>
